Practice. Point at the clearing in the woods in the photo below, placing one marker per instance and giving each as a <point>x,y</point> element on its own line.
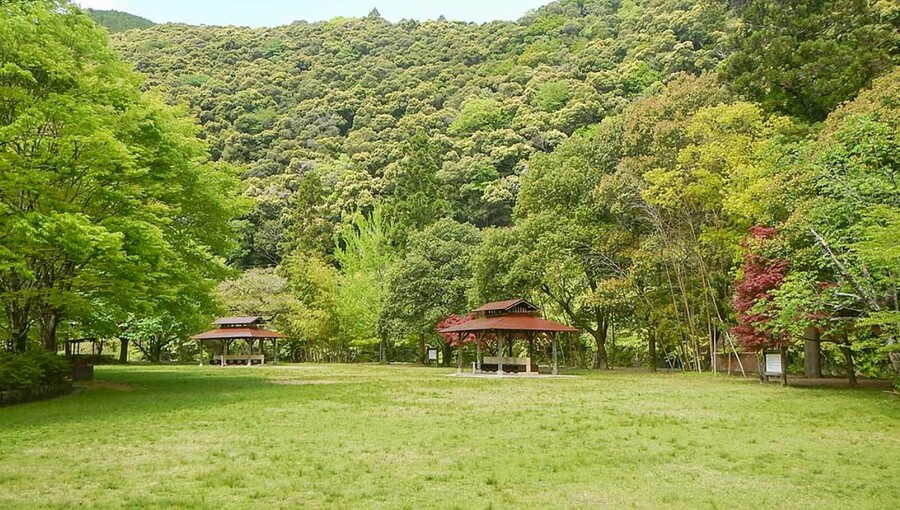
<point>316,436</point>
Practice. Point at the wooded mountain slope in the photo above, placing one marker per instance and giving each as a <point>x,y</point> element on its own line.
<point>117,21</point>
<point>345,96</point>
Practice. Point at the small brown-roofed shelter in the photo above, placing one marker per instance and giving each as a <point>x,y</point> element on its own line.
<point>507,320</point>
<point>240,328</point>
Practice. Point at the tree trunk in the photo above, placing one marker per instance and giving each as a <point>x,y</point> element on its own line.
<point>123,350</point>
<point>895,361</point>
<point>47,326</point>
<point>421,348</point>
<point>651,350</point>
<point>18,326</point>
<point>848,361</point>
<point>812,352</point>
<point>448,353</point>
<point>601,360</point>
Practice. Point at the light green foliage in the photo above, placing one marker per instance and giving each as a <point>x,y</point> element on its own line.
<point>259,292</point>
<point>478,115</point>
<point>421,439</point>
<point>314,326</point>
<point>552,96</point>
<point>107,194</point>
<point>364,256</point>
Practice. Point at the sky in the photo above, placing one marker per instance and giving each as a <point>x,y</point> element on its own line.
<point>267,13</point>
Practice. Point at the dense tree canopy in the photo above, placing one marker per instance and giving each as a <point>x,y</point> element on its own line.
<point>614,161</point>
<point>118,21</point>
<point>109,203</point>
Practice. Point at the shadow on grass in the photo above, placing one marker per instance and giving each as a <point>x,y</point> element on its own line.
<point>130,393</point>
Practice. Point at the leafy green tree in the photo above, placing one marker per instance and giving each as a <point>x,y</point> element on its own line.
<point>806,58</point>
<point>364,256</point>
<point>847,202</point>
<point>99,183</point>
<point>430,283</point>
<point>415,195</point>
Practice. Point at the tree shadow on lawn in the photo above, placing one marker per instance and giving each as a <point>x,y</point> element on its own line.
<point>130,394</point>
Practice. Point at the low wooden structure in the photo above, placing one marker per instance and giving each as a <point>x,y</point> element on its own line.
<point>507,321</point>
<point>230,329</point>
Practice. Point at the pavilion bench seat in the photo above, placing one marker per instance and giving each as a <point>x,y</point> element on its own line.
<point>239,359</point>
<point>510,364</point>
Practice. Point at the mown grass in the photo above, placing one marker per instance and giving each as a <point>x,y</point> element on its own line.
<point>402,437</point>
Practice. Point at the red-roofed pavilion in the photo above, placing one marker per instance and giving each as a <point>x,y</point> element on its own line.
<point>230,329</point>
<point>507,320</point>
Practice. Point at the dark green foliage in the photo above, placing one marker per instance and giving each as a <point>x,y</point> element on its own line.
<point>31,369</point>
<point>805,58</point>
<point>117,21</point>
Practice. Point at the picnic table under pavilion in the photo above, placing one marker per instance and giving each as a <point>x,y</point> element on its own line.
<point>248,329</point>
<point>507,321</point>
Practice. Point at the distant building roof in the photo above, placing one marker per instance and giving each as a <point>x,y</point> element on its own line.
<point>509,323</point>
<point>502,306</point>
<point>237,333</point>
<point>237,321</point>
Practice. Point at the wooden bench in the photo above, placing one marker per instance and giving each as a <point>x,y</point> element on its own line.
<point>510,364</point>
<point>239,359</point>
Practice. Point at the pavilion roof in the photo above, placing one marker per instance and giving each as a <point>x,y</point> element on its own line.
<point>237,333</point>
<point>509,323</point>
<point>237,321</point>
<point>504,305</point>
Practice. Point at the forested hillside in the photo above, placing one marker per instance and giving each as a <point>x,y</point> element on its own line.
<point>676,178</point>
<point>344,98</point>
<point>117,21</point>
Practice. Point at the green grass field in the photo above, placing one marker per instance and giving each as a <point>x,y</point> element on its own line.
<point>334,436</point>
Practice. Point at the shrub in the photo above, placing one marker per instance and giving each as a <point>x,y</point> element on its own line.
<point>32,369</point>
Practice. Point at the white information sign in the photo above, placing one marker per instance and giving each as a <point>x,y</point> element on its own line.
<point>773,364</point>
<point>432,354</point>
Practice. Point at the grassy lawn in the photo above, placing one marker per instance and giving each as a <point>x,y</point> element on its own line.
<point>399,437</point>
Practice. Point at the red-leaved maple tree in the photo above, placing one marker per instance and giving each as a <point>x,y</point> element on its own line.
<point>753,291</point>
<point>453,320</point>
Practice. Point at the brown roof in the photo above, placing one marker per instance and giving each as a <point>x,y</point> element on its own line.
<point>237,321</point>
<point>503,305</point>
<point>236,333</point>
<point>509,323</point>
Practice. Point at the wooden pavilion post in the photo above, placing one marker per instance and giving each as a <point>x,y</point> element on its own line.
<point>224,352</point>
<point>275,354</point>
<point>555,360</point>
<point>478,339</point>
<point>250,357</point>
<point>459,354</point>
<point>499,355</point>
